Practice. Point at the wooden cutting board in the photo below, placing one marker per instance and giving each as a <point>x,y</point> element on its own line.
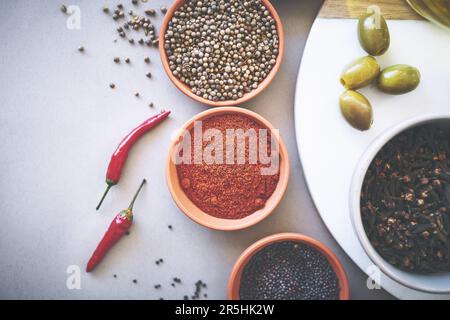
<point>352,9</point>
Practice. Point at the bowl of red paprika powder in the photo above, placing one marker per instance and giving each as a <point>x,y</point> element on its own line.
<point>227,168</point>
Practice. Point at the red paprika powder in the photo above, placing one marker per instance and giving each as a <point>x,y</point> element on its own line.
<point>228,190</point>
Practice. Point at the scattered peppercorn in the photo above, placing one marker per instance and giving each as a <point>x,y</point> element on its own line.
<point>141,41</point>
<point>185,298</point>
<point>136,94</point>
<point>199,285</point>
<point>127,60</point>
<point>135,281</point>
<point>120,6</point>
<point>147,60</point>
<point>135,2</point>
<point>115,275</point>
<point>105,9</point>
<point>131,41</point>
<point>151,105</point>
<point>170,227</point>
<point>177,280</point>
<point>136,22</point>
<point>164,9</point>
<point>172,284</point>
<point>64,8</point>
<point>149,75</point>
<point>81,49</point>
<point>117,60</point>
<point>157,286</point>
<point>118,14</point>
<point>112,85</point>
<point>150,12</point>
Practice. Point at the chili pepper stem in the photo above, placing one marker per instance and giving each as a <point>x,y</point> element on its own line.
<point>136,194</point>
<point>103,197</point>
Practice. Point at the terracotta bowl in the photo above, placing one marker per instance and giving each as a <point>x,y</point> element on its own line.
<point>199,216</point>
<point>235,278</point>
<point>187,91</point>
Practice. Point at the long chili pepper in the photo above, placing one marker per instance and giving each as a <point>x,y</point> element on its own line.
<point>120,156</point>
<point>121,223</point>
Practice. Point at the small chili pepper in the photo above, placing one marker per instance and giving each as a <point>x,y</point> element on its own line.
<point>121,223</point>
<point>120,156</point>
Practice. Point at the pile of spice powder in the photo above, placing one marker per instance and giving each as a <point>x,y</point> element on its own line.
<point>289,270</point>
<point>222,49</point>
<point>228,191</point>
<point>405,200</point>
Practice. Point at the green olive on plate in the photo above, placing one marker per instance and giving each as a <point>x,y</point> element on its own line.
<point>360,72</point>
<point>356,109</point>
<point>373,34</point>
<point>398,79</point>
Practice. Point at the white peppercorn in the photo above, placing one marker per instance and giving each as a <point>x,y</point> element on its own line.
<point>222,49</point>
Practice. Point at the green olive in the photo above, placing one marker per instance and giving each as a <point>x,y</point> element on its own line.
<point>356,109</point>
<point>360,73</point>
<point>398,79</point>
<point>373,34</point>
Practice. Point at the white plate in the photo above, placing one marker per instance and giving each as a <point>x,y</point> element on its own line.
<point>329,148</point>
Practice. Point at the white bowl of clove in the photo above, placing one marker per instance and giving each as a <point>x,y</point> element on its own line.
<point>400,203</point>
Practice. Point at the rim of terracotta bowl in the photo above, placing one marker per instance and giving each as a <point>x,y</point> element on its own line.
<point>234,281</point>
<point>199,216</point>
<point>187,91</point>
<point>433,283</point>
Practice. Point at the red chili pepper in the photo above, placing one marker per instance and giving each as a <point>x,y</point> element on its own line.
<point>121,223</point>
<point>120,156</point>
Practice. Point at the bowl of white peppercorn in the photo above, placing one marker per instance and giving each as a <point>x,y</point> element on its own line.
<point>221,53</point>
